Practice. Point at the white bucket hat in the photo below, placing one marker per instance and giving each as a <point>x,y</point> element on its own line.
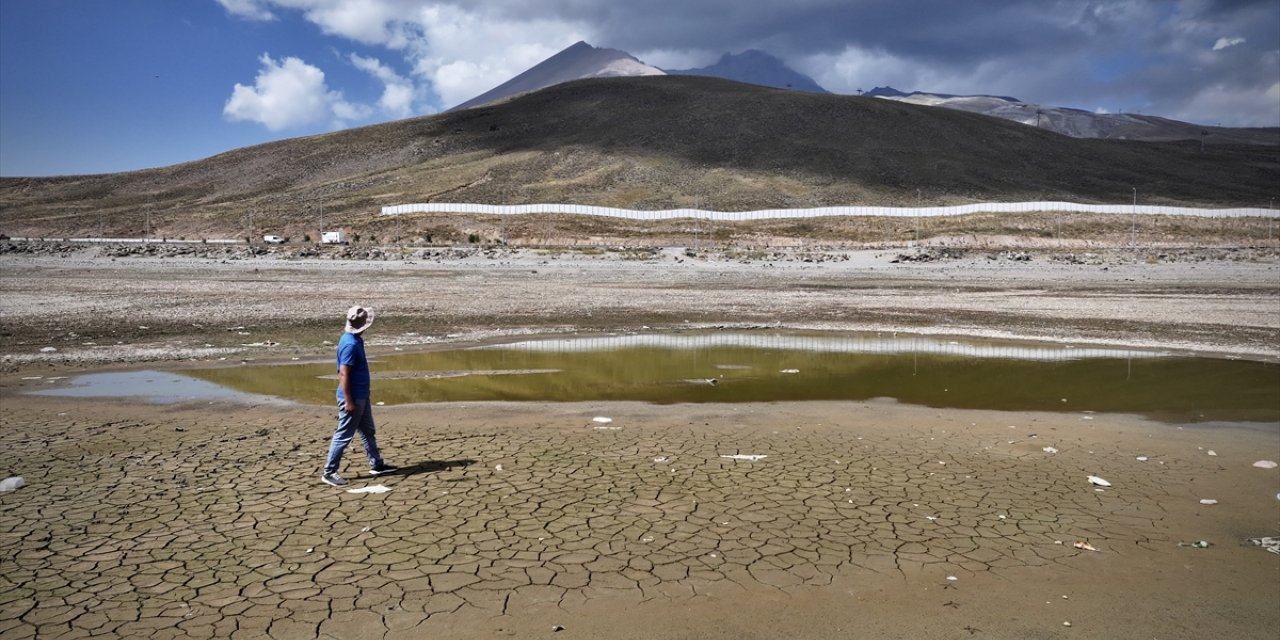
<point>358,319</point>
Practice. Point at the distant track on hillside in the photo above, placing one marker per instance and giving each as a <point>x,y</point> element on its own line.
<point>823,212</point>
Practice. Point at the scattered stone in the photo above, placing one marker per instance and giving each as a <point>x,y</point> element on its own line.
<point>1265,464</point>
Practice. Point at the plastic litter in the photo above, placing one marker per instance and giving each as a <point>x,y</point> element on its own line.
<point>1212,452</point>
<point>12,484</point>
<point>602,420</point>
<point>376,488</point>
<point>1198,544</point>
<point>1050,450</point>
<point>1095,480</point>
<point>1208,501</point>
<point>790,371</point>
<point>744,456</point>
<point>1081,544</point>
<point>1269,543</point>
<point>1265,464</point>
<point>1142,458</point>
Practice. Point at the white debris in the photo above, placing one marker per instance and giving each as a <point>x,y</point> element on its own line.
<point>1265,464</point>
<point>1269,543</point>
<point>1081,544</point>
<point>48,349</point>
<point>790,371</point>
<point>1098,481</point>
<point>1208,501</point>
<point>1212,452</point>
<point>1142,458</point>
<point>12,484</point>
<point>660,459</point>
<point>497,467</point>
<point>952,578</point>
<point>602,420</point>
<point>745,456</point>
<point>1050,450</point>
<point>377,488</point>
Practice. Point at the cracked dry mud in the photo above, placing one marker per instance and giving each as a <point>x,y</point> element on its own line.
<point>209,521</point>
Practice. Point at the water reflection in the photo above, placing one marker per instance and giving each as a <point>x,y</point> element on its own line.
<point>773,367</point>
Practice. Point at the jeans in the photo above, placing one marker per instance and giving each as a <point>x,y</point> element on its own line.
<point>349,424</point>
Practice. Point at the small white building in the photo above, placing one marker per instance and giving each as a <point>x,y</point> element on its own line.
<point>333,237</point>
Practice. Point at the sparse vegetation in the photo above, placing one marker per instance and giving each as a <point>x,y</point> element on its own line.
<point>646,143</point>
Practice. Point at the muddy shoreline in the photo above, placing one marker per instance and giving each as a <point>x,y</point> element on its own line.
<point>94,310</point>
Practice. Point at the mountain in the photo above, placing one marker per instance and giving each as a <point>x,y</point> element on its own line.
<point>1084,124</point>
<point>644,143</point>
<point>578,61</point>
<point>755,67</point>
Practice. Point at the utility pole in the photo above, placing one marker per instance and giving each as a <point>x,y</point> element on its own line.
<point>918,200</point>
<point>1133,221</point>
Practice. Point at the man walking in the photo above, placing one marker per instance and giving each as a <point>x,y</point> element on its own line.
<point>354,413</point>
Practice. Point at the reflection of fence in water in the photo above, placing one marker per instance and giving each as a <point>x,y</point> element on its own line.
<point>893,345</point>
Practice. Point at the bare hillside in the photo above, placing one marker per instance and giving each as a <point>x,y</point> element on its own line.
<point>647,143</point>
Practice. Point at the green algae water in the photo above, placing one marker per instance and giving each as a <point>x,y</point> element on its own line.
<point>750,367</point>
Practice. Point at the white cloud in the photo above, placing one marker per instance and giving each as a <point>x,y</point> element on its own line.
<point>1228,106</point>
<point>677,59</point>
<point>248,9</point>
<point>463,54</point>
<point>290,93</point>
<point>458,50</point>
<point>1223,43</point>
<point>398,92</point>
<point>365,21</point>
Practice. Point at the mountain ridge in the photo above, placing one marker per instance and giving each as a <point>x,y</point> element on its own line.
<point>644,143</point>
<point>755,67</point>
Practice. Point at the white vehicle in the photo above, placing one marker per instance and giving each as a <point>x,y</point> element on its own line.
<point>273,239</point>
<point>333,237</point>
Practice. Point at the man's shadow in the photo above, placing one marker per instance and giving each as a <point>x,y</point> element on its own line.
<point>432,466</point>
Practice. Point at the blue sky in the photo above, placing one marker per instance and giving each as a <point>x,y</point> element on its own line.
<point>90,86</point>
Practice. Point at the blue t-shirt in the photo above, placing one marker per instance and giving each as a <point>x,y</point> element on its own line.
<point>351,353</point>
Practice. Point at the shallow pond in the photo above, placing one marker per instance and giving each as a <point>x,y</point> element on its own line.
<point>769,367</point>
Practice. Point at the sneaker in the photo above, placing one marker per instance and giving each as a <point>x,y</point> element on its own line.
<point>383,469</point>
<point>333,479</point>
